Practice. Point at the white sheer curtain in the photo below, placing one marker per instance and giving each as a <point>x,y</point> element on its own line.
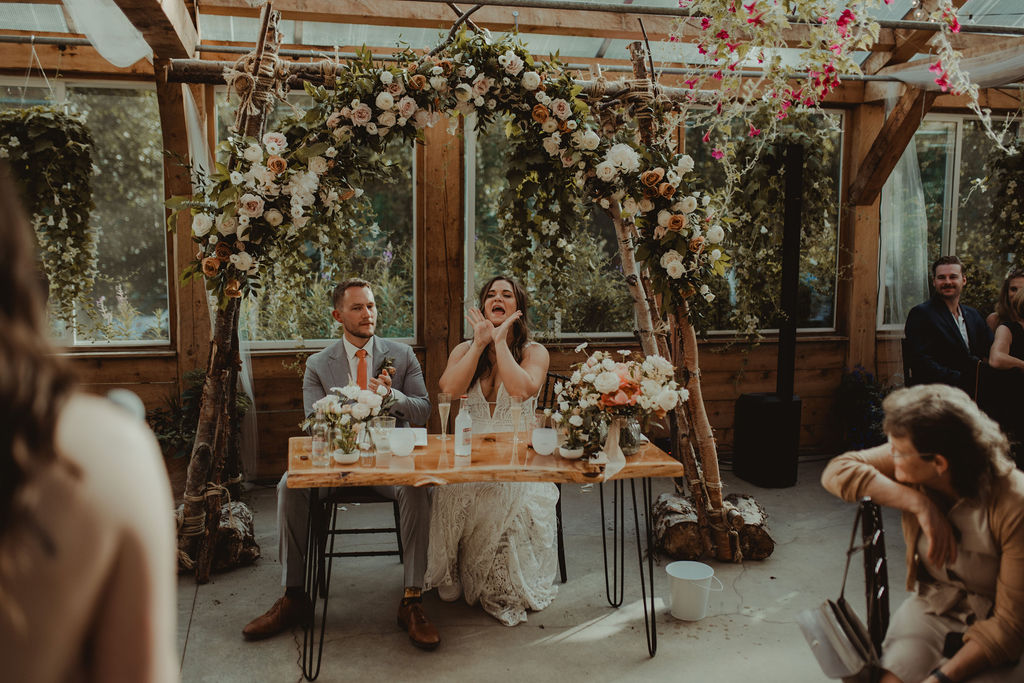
<point>904,239</point>
<point>109,31</point>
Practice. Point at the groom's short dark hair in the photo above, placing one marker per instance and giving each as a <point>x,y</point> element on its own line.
<point>344,285</point>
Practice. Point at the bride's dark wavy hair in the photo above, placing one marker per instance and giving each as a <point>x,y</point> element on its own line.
<point>519,335</point>
<point>34,381</point>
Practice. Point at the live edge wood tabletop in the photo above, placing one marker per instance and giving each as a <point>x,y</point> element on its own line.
<point>492,459</point>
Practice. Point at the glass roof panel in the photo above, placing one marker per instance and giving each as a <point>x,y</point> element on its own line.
<point>30,17</point>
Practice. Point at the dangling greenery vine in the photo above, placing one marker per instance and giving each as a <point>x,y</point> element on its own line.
<point>50,154</point>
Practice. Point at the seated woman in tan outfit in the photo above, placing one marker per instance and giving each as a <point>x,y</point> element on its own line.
<point>945,467</point>
<point>87,550</point>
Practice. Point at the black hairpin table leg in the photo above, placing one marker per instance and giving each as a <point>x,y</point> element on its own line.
<point>614,589</point>
<point>318,582</point>
<point>650,625</point>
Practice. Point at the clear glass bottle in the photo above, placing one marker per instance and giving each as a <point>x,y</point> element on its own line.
<point>463,429</point>
<point>321,432</point>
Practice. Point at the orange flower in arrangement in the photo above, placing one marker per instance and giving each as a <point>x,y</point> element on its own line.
<point>446,65</point>
<point>650,192</point>
<point>223,252</point>
<point>211,264</point>
<point>666,190</point>
<point>233,289</point>
<point>347,194</point>
<point>688,290</point>
<point>676,222</point>
<point>625,395</point>
<point>563,126</point>
<point>277,164</point>
<point>540,113</point>
<point>696,244</point>
<point>417,82</point>
<point>652,177</point>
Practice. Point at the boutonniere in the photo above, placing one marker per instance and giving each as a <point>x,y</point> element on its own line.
<point>387,365</point>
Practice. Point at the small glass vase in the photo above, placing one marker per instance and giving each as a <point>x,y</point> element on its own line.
<point>630,435</point>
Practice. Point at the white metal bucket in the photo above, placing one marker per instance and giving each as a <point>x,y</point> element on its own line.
<point>690,584</point>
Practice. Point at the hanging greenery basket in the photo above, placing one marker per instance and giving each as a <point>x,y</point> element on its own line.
<point>50,154</point>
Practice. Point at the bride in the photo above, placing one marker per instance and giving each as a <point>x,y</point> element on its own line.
<point>495,542</point>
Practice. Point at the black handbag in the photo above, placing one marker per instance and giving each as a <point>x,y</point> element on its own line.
<point>838,638</point>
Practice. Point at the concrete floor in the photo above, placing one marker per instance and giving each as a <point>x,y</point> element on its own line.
<point>750,633</point>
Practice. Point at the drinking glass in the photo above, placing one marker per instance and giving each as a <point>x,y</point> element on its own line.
<point>380,429</point>
<point>444,408</point>
<point>402,441</point>
<point>544,438</point>
<point>367,454</point>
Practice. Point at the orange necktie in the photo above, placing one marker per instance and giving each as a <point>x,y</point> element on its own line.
<point>361,368</point>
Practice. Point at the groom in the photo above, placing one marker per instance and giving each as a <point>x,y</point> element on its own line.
<point>349,361</point>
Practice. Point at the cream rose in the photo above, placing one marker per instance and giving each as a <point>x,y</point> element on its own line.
<point>201,224</point>
<point>250,205</point>
<point>273,217</point>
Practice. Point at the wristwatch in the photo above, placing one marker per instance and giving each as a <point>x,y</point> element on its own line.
<point>939,676</point>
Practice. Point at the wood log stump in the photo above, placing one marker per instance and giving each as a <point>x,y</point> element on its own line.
<point>677,531</point>
<point>235,542</point>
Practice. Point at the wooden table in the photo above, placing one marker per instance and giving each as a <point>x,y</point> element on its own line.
<point>493,459</point>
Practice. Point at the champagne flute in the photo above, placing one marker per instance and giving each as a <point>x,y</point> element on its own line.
<point>444,407</point>
<point>515,412</point>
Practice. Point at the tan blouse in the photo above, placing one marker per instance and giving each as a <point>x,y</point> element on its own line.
<point>90,596</point>
<point>1001,635</point>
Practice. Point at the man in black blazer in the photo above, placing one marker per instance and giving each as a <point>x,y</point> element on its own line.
<point>946,338</point>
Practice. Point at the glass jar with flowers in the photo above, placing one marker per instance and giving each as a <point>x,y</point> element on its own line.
<point>347,410</point>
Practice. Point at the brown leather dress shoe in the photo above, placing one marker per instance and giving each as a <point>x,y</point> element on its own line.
<point>413,620</point>
<point>285,613</point>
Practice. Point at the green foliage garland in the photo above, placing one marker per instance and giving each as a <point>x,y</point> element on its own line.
<point>50,154</point>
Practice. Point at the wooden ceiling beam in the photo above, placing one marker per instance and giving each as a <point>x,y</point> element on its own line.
<point>68,61</point>
<point>908,42</point>
<point>165,24</point>
<point>897,131</point>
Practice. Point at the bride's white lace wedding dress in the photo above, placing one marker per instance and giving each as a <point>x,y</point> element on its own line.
<point>497,538</point>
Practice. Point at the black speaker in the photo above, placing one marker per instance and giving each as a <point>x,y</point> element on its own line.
<point>766,438</point>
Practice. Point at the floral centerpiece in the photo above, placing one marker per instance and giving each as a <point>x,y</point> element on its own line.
<point>347,410</point>
<point>604,391</point>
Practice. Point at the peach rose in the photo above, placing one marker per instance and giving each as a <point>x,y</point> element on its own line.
<point>676,223</point>
<point>666,190</point>
<point>652,177</point>
<point>540,113</point>
<point>417,81</point>
<point>233,289</point>
<point>211,264</point>
<point>696,244</point>
<point>277,164</point>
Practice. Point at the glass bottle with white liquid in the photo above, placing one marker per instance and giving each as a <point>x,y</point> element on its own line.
<point>463,429</point>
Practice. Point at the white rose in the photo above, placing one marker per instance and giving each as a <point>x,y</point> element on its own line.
<point>349,391</point>
<point>201,224</point>
<point>664,216</point>
<point>685,164</point>
<point>250,205</point>
<point>646,205</point>
<point>253,153</point>
<point>550,145</point>
<point>360,411</point>
<point>576,421</point>
<point>666,399</point>
<point>606,382</point>
<point>715,234</point>
<point>606,171</point>
<point>629,205</point>
<point>226,225</point>
<point>236,178</point>
<point>549,126</point>
<point>276,143</point>
<point>670,256</point>
<point>463,92</point>
<point>688,204</point>
<point>317,165</point>
<point>439,83</point>
<point>531,80</point>
<point>675,269</point>
<point>386,77</point>
<point>387,119</point>
<point>385,101</point>
<point>715,254</point>
<point>241,260</point>
<point>590,140</point>
<point>273,217</point>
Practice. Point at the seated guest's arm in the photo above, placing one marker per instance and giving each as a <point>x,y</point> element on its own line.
<point>872,473</point>
<point>412,403</point>
<point>999,355</point>
<point>1001,636</point>
<point>920,330</point>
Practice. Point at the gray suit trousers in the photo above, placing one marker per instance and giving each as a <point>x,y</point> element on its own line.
<point>293,526</point>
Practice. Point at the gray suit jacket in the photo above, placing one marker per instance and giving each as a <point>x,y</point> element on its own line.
<point>329,368</point>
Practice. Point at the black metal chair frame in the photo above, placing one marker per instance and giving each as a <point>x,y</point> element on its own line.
<point>876,571</point>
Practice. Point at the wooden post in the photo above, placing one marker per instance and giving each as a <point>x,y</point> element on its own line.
<point>439,217</point>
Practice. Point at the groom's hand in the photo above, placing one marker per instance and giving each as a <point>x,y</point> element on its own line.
<point>384,379</point>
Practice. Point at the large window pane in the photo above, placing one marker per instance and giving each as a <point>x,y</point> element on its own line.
<point>296,306</point>
<point>129,302</point>
<point>594,298</point>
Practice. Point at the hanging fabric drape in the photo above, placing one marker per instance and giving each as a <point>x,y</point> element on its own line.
<point>108,29</point>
